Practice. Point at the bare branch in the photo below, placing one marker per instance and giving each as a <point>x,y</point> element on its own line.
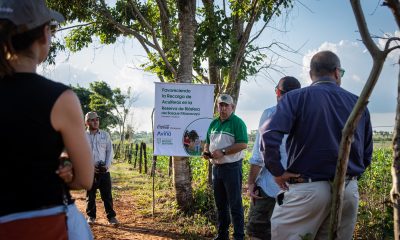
<point>378,57</point>
<point>394,5</point>
<point>280,45</point>
<point>390,40</point>
<point>305,6</point>
<point>362,27</point>
<point>75,26</point>
<point>393,48</point>
<point>276,8</point>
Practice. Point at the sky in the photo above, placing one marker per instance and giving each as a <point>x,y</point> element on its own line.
<point>309,27</point>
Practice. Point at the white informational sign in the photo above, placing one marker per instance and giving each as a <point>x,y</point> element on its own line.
<point>183,113</point>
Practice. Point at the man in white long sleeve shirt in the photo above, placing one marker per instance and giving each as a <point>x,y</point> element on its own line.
<point>101,145</point>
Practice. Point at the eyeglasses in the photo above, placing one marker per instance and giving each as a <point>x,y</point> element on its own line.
<point>53,25</point>
<point>342,71</point>
<point>93,120</point>
<point>279,92</point>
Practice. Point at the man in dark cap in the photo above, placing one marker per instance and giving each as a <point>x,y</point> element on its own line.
<point>261,186</point>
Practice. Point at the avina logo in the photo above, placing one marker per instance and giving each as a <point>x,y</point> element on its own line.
<point>164,133</point>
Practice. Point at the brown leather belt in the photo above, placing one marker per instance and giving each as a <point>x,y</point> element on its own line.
<point>295,180</point>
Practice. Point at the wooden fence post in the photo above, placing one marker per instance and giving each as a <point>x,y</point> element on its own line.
<point>153,166</point>
<point>145,157</point>
<point>136,154</point>
<point>170,166</point>
<point>140,158</point>
<point>130,153</point>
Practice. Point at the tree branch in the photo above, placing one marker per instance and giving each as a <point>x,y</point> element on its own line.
<point>155,41</point>
<point>277,5</point>
<point>165,24</point>
<point>387,45</point>
<point>75,26</point>
<point>394,5</point>
<point>378,57</point>
<point>363,29</point>
<point>243,40</point>
<point>124,29</point>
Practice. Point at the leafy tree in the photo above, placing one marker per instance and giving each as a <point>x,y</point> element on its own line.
<point>110,104</point>
<point>225,53</point>
<point>220,50</point>
<point>102,100</point>
<point>84,97</point>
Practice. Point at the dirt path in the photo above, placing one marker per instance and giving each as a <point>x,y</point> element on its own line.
<point>132,225</point>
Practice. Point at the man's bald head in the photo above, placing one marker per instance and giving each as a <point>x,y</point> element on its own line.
<point>324,63</point>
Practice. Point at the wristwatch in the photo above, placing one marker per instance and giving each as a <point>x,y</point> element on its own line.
<point>223,151</point>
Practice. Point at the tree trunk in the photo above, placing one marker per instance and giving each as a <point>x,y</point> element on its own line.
<point>345,145</point>
<point>348,130</point>
<point>239,50</point>
<point>213,57</point>
<point>394,193</point>
<point>187,27</point>
<point>183,183</point>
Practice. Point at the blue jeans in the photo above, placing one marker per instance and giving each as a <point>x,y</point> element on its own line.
<point>227,185</point>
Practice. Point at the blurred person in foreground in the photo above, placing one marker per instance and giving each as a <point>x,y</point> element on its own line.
<point>101,145</point>
<point>314,117</point>
<point>226,142</point>
<point>35,185</point>
<point>261,186</point>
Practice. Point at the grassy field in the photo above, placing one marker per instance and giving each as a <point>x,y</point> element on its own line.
<point>374,218</point>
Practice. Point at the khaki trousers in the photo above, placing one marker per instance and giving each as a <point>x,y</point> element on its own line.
<point>305,210</point>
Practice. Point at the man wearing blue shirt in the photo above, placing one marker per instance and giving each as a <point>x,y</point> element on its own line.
<point>261,186</point>
<point>314,117</point>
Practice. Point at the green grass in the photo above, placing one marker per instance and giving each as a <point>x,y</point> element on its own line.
<point>375,215</point>
<point>374,221</point>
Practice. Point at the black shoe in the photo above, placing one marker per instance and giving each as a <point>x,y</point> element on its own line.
<point>91,220</point>
<point>113,221</point>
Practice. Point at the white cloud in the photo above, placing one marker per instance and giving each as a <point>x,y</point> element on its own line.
<point>393,55</point>
<point>141,120</point>
<point>356,78</point>
<point>69,74</point>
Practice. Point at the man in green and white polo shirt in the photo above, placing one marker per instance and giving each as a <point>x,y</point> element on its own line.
<point>225,144</point>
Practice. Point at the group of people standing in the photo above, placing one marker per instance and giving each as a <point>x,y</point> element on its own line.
<point>292,167</point>
<point>294,158</point>
<point>37,174</point>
